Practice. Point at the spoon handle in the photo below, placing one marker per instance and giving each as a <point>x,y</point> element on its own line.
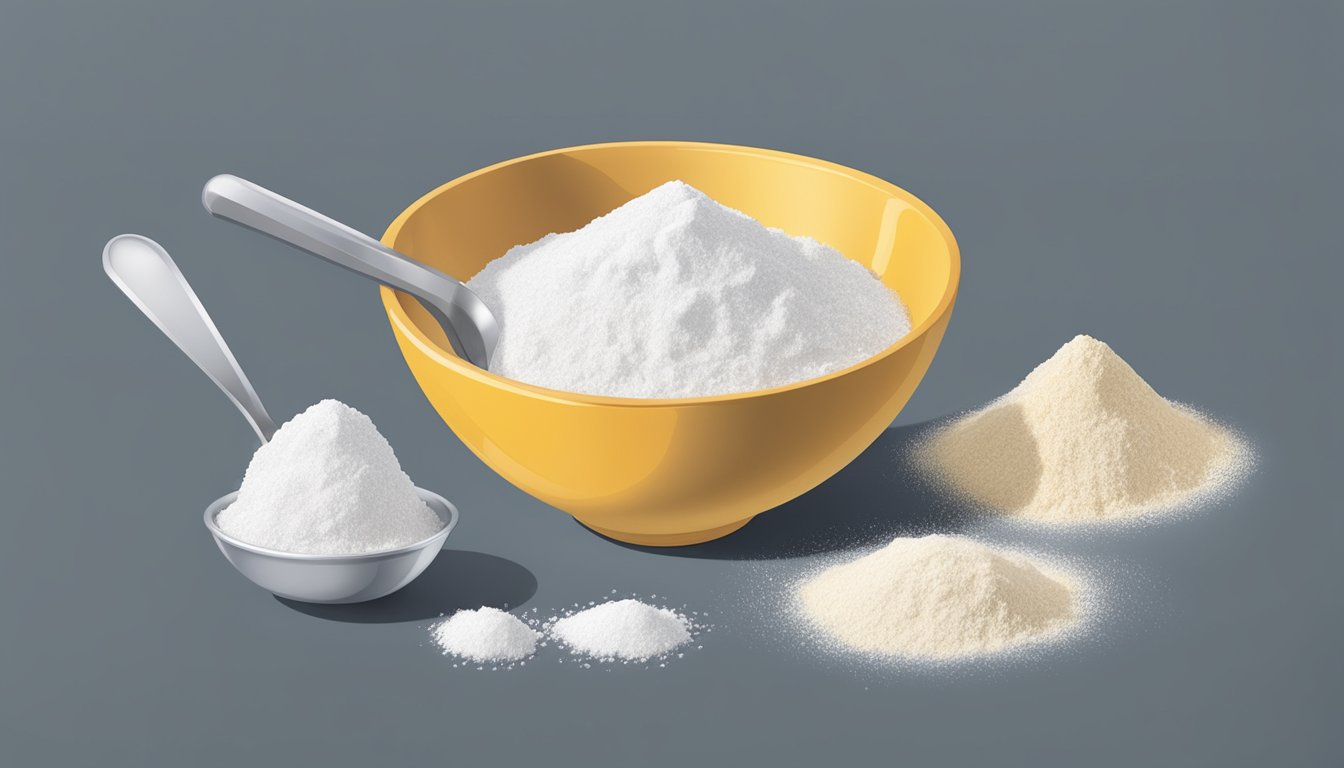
<point>145,272</point>
<point>468,323</point>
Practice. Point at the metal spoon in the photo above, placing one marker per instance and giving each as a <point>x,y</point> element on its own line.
<point>470,326</point>
<point>145,272</point>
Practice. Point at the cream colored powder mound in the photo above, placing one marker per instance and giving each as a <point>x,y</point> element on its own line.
<point>1082,438</point>
<point>940,598</point>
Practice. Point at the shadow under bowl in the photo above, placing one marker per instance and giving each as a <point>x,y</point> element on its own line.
<point>333,578</point>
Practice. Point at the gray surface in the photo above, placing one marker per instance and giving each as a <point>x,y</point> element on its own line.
<point>1164,178</point>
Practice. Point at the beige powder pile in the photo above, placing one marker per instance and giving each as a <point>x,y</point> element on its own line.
<point>940,598</point>
<point>1083,437</point>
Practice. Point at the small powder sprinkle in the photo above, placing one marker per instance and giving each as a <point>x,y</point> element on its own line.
<point>1083,437</point>
<point>328,483</point>
<point>486,635</point>
<point>939,598</point>
<point>675,295</point>
<point>628,630</point>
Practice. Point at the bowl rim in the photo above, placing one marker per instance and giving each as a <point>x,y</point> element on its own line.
<point>446,358</point>
<point>429,497</point>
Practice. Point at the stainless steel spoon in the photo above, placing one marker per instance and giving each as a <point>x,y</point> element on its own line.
<point>145,272</point>
<point>470,326</point>
<point>147,275</point>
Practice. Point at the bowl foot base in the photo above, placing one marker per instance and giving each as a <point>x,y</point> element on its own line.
<point>668,539</point>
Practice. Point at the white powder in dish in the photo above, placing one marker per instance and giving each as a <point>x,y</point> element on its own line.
<point>486,635</point>
<point>328,483</point>
<point>626,630</point>
<point>675,295</point>
<point>940,598</point>
<point>1082,438</point>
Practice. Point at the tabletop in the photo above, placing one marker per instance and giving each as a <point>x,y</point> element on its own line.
<point>1161,176</point>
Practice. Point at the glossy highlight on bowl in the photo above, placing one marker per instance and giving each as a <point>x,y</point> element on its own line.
<point>668,472</point>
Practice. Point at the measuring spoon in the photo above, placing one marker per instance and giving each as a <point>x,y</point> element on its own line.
<point>145,272</point>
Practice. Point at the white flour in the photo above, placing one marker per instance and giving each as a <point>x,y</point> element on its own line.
<point>328,483</point>
<point>939,598</point>
<point>486,635</point>
<point>1083,437</point>
<point>675,295</point>
<point>626,630</point>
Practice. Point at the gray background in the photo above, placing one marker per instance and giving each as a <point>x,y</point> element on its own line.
<point>1163,176</point>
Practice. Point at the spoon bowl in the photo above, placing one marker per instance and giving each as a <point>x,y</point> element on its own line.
<point>312,578</point>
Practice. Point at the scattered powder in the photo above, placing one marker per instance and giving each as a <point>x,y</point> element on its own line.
<point>328,483</point>
<point>675,295</point>
<point>486,635</point>
<point>939,598</point>
<point>626,630</point>
<point>1083,437</point>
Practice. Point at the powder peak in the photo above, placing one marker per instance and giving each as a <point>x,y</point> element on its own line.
<point>671,192</point>
<point>1086,365</point>
<point>333,424</point>
<point>1083,350</point>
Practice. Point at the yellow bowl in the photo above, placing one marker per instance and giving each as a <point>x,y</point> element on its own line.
<point>668,472</point>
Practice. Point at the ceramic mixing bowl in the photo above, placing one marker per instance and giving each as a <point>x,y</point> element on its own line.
<point>668,472</point>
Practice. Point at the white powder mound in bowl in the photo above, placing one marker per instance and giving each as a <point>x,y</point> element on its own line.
<point>328,483</point>
<point>940,598</point>
<point>675,295</point>
<point>628,630</point>
<point>1084,438</point>
<point>486,635</point>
